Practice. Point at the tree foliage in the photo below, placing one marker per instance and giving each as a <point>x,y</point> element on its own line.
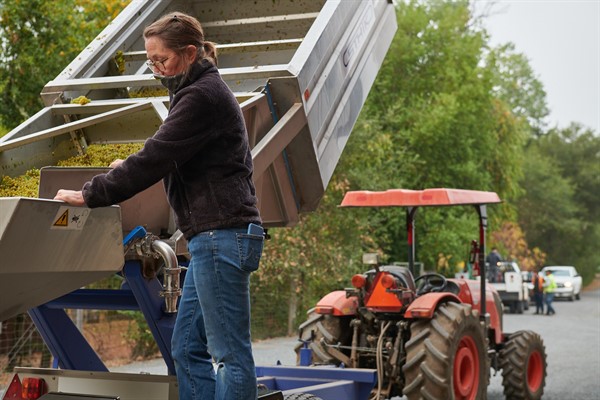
<point>560,212</point>
<point>434,118</point>
<point>39,38</point>
<point>517,86</point>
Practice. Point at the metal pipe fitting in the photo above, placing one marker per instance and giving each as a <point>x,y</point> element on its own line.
<point>171,282</point>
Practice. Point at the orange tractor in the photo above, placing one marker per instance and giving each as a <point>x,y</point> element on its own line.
<point>428,337</point>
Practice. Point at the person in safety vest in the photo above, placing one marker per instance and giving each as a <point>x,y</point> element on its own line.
<point>549,288</point>
<point>538,292</point>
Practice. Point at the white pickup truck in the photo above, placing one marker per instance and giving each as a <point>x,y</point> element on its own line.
<point>513,291</point>
<point>567,279</point>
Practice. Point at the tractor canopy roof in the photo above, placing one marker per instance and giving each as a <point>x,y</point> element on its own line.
<point>418,198</point>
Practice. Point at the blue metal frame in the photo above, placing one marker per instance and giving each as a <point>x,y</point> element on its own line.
<point>66,343</point>
<point>151,304</point>
<point>328,383</point>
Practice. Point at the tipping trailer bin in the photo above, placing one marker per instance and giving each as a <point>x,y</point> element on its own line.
<point>301,71</point>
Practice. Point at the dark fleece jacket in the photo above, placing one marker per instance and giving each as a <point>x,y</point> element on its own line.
<point>200,152</point>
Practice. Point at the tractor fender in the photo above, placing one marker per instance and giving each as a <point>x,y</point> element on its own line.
<point>424,306</point>
<point>336,303</point>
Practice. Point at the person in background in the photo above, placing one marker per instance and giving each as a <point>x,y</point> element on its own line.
<point>201,153</point>
<point>492,261</point>
<point>549,287</point>
<point>538,292</point>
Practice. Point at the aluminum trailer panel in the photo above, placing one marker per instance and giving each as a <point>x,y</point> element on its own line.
<point>119,385</point>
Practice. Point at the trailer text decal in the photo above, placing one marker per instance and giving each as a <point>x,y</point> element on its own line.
<point>70,218</point>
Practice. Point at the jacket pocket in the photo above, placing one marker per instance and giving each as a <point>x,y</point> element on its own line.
<point>250,250</point>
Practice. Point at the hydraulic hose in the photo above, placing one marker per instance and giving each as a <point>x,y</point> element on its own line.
<point>379,359</point>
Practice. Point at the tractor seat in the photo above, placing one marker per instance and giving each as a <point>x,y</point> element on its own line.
<point>452,287</point>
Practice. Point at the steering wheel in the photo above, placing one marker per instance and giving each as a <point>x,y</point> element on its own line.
<point>431,283</point>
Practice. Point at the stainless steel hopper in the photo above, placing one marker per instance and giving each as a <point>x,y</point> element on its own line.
<point>49,249</point>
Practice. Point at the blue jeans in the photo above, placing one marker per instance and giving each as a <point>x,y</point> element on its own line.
<point>539,302</point>
<point>549,298</point>
<point>213,322</point>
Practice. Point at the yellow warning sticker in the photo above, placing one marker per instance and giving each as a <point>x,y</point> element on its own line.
<point>70,218</point>
<point>63,220</point>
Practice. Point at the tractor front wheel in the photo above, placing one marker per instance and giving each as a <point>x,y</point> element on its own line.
<point>523,363</point>
<point>446,356</point>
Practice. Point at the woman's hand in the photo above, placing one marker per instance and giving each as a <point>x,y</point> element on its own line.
<point>116,163</point>
<point>72,197</point>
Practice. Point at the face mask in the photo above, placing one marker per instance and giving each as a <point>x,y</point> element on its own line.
<point>170,82</point>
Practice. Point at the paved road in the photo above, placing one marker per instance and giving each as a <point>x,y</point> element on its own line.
<point>571,337</point>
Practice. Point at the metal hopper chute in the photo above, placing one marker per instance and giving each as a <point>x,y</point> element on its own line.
<point>49,248</point>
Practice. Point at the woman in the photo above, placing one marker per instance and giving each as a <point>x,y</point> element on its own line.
<point>538,292</point>
<point>201,152</point>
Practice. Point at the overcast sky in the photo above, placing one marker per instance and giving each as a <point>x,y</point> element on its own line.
<point>561,39</point>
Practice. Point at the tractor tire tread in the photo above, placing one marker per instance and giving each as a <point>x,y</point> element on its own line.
<point>321,330</point>
<point>431,350</point>
<point>513,362</point>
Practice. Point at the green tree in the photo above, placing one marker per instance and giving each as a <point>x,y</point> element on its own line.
<point>436,118</point>
<point>516,84</point>
<point>560,212</point>
<point>576,151</point>
<point>39,38</point>
<point>547,211</point>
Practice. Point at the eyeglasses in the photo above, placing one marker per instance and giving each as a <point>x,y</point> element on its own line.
<point>159,65</point>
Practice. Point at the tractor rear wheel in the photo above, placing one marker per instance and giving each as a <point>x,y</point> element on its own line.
<point>523,363</point>
<point>446,356</point>
<point>321,330</point>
